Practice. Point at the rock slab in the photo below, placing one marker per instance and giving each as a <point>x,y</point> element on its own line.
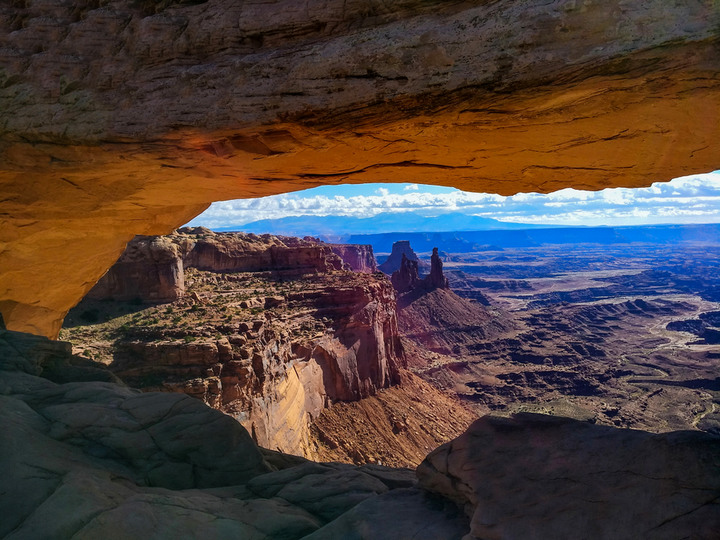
<point>534,476</point>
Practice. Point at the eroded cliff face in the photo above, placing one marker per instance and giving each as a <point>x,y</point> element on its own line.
<point>115,462</point>
<point>360,258</point>
<point>268,329</point>
<point>121,118</point>
<point>151,269</point>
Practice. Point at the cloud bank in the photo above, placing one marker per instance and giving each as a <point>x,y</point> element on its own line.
<point>690,199</point>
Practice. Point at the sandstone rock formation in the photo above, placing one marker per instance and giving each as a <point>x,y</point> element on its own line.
<point>358,258</point>
<point>394,260</point>
<point>440,321</point>
<point>151,269</point>
<point>248,339</point>
<point>436,279</point>
<point>534,476</point>
<point>406,277</point>
<point>236,252</point>
<point>122,118</point>
<point>436,320</point>
<point>397,426</point>
<point>97,460</point>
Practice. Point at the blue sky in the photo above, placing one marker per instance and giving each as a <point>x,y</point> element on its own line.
<point>689,199</point>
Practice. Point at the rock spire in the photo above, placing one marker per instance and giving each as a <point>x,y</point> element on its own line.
<point>406,277</point>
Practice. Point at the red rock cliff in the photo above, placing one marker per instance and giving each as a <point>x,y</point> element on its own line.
<point>281,329</point>
<point>360,258</point>
<point>120,118</point>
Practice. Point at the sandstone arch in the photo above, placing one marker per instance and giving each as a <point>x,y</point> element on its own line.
<point>121,118</point>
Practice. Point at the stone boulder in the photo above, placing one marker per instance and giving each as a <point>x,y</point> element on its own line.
<point>88,460</point>
<point>534,476</point>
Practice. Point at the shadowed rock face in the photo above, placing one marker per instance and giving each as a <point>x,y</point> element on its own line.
<point>436,279</point>
<point>406,277</point>
<point>97,460</point>
<point>129,118</point>
<point>534,476</point>
<point>401,251</point>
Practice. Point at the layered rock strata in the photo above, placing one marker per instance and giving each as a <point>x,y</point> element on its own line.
<point>359,258</point>
<point>165,465</point>
<point>122,118</point>
<point>90,460</point>
<point>151,269</point>
<point>273,346</point>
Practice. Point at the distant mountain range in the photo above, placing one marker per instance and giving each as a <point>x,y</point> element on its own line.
<point>469,241</point>
<point>459,233</point>
<point>339,226</point>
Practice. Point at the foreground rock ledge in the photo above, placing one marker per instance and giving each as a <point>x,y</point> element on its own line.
<point>535,476</point>
<point>131,117</point>
<point>94,459</point>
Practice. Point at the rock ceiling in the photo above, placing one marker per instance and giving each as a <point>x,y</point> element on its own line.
<point>120,118</point>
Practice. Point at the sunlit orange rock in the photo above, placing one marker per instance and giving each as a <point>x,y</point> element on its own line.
<point>120,118</point>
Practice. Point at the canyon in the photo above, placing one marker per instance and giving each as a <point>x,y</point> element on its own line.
<point>122,118</point>
<point>614,331</point>
<point>268,329</point>
<point>277,332</point>
<point>252,340</point>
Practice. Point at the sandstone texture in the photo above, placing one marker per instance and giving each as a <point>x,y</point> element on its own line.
<point>88,460</point>
<point>270,330</point>
<point>233,252</point>
<point>121,118</point>
<point>534,476</point>
<point>397,426</point>
<point>151,269</point>
<point>359,258</point>
<point>93,460</point>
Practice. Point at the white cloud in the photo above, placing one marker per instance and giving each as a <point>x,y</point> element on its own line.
<point>684,199</point>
